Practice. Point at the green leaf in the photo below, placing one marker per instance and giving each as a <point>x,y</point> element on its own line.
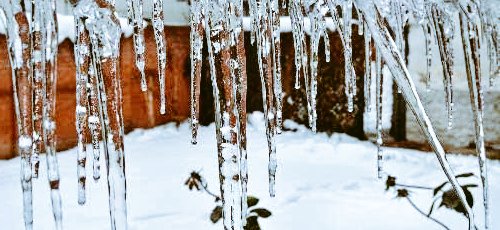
<point>464,175</point>
<point>216,214</point>
<point>438,188</point>
<point>252,201</point>
<point>262,212</point>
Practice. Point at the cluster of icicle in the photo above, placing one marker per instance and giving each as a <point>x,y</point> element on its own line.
<point>33,49</point>
<point>380,22</point>
<point>32,38</point>
<point>32,41</point>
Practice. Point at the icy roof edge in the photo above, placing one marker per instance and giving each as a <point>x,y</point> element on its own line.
<point>66,26</point>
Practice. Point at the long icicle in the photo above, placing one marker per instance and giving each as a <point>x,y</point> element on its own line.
<point>298,32</point>
<point>274,17</point>
<point>38,73</point>
<point>20,54</point>
<point>49,111</point>
<point>82,59</point>
<point>135,19</point>
<point>161,52</point>
<point>95,118</point>
<point>318,29</point>
<point>86,70</point>
<point>428,53</point>
<point>105,33</point>
<point>349,74</point>
<point>265,60</point>
<point>368,69</point>
<point>470,38</point>
<point>238,72</point>
<point>402,77</point>
<point>379,82</point>
<point>444,35</point>
<point>196,40</point>
<point>226,111</point>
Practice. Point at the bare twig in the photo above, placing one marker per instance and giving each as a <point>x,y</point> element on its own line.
<point>423,213</point>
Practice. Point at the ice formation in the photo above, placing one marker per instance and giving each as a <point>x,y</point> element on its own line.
<point>32,38</point>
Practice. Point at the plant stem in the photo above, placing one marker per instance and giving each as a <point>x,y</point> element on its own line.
<point>421,212</point>
<point>205,187</point>
<point>414,186</point>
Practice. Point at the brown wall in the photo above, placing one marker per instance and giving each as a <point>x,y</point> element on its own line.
<point>139,109</point>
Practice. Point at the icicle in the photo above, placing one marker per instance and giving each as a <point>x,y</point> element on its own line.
<point>49,111</point>
<point>159,30</point>
<point>396,65</point>
<point>252,5</point>
<point>105,33</point>
<point>489,35</point>
<point>379,82</point>
<point>82,59</point>
<point>264,37</point>
<point>95,118</point>
<point>20,54</point>
<point>299,42</point>
<point>238,73</point>
<point>196,39</point>
<point>345,31</point>
<point>350,76</point>
<point>318,28</point>
<point>470,37</point>
<point>444,35</point>
<point>38,73</point>
<point>135,19</point>
<point>428,54</point>
<point>421,15</point>
<point>276,47</point>
<point>398,25</point>
<point>223,26</point>
<point>360,22</point>
<point>326,40</point>
<point>368,69</point>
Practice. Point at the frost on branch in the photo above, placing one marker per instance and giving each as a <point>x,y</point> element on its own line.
<point>469,28</point>
<point>385,44</point>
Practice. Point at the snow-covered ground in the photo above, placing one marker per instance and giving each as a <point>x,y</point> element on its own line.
<point>322,183</point>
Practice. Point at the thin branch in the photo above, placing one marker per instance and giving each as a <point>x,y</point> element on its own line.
<point>204,185</point>
<point>423,214</point>
<point>414,186</point>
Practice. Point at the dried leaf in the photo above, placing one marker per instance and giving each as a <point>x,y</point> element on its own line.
<point>438,188</point>
<point>216,214</point>
<point>252,201</point>
<point>262,212</point>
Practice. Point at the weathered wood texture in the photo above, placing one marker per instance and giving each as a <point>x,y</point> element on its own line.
<point>141,109</point>
<point>332,101</point>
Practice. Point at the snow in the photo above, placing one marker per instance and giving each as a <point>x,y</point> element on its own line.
<point>323,183</point>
